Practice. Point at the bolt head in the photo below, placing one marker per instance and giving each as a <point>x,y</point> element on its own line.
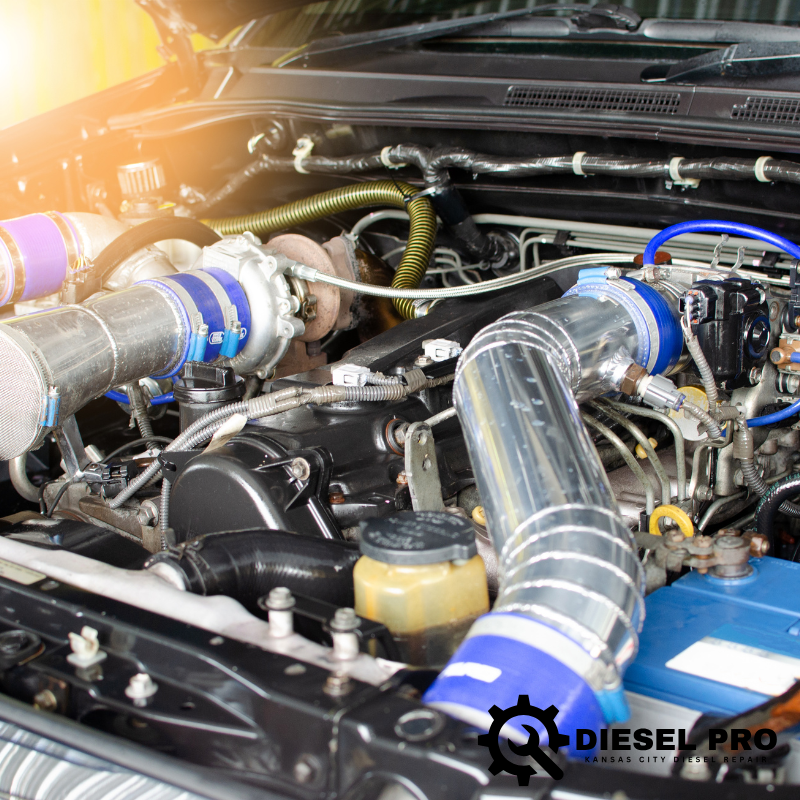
<point>140,688</point>
<point>300,468</point>
<point>45,701</point>
<point>336,498</point>
<point>306,769</point>
<point>703,492</point>
<point>703,541</point>
<point>729,542</point>
<point>423,361</point>
<point>344,620</point>
<point>147,516</point>
<point>280,599</point>
<point>402,478</point>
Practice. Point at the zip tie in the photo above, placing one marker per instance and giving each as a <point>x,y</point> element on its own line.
<point>385,159</point>
<point>301,151</point>
<point>577,159</point>
<point>761,162</point>
<point>424,193</point>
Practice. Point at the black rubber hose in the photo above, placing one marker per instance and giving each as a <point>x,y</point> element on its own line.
<point>150,232</point>
<point>771,502</point>
<point>245,565</point>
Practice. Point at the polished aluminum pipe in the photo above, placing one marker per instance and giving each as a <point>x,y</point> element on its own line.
<point>570,603</point>
<point>566,557</point>
<point>54,362</point>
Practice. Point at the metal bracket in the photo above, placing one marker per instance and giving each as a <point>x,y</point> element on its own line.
<point>69,441</point>
<point>422,469</point>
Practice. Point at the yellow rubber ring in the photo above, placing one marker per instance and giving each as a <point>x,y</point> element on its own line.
<point>674,513</point>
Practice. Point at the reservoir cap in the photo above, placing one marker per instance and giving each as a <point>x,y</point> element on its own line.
<point>418,537</point>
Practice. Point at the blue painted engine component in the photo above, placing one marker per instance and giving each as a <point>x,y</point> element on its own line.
<point>721,646</point>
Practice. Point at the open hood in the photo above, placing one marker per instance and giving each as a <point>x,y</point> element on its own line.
<point>213,18</point>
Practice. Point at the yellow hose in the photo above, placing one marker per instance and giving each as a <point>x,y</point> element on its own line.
<point>674,513</point>
<point>421,236</point>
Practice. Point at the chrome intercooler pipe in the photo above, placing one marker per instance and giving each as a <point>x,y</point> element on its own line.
<point>570,605</point>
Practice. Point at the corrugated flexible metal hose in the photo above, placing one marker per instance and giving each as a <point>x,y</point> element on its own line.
<point>422,233</point>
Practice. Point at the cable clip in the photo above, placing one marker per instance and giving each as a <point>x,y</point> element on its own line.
<point>424,193</point>
<point>577,162</point>
<point>675,175</point>
<point>758,169</point>
<point>386,162</point>
<point>302,150</point>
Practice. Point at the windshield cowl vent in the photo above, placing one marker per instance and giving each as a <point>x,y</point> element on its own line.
<point>772,110</point>
<point>630,101</point>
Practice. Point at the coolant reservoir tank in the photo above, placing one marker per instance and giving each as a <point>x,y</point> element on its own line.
<point>420,575</point>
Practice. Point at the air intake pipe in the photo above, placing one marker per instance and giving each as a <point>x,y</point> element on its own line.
<point>38,251</point>
<point>566,621</point>
<point>54,362</point>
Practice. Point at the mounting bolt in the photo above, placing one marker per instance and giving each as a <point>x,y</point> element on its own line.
<point>336,498</point>
<point>45,701</point>
<point>343,626</point>
<point>147,516</point>
<point>703,492</point>
<point>344,620</point>
<point>306,769</point>
<point>280,603</point>
<point>300,468</point>
<point>423,361</point>
<point>402,478</point>
<point>651,273</point>
<point>755,376</point>
<point>140,689</point>
<point>280,599</point>
<point>704,542</point>
<point>338,685</point>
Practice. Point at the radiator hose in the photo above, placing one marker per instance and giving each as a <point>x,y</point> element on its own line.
<point>245,565</point>
<point>422,234</point>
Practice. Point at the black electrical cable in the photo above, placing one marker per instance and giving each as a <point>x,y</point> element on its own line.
<point>771,502</point>
<point>61,492</point>
<point>434,162</point>
<point>135,443</point>
<point>150,232</point>
<point>42,506</point>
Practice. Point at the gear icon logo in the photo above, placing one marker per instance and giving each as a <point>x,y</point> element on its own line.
<point>531,748</point>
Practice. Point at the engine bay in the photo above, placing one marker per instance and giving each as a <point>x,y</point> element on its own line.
<point>337,441</point>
